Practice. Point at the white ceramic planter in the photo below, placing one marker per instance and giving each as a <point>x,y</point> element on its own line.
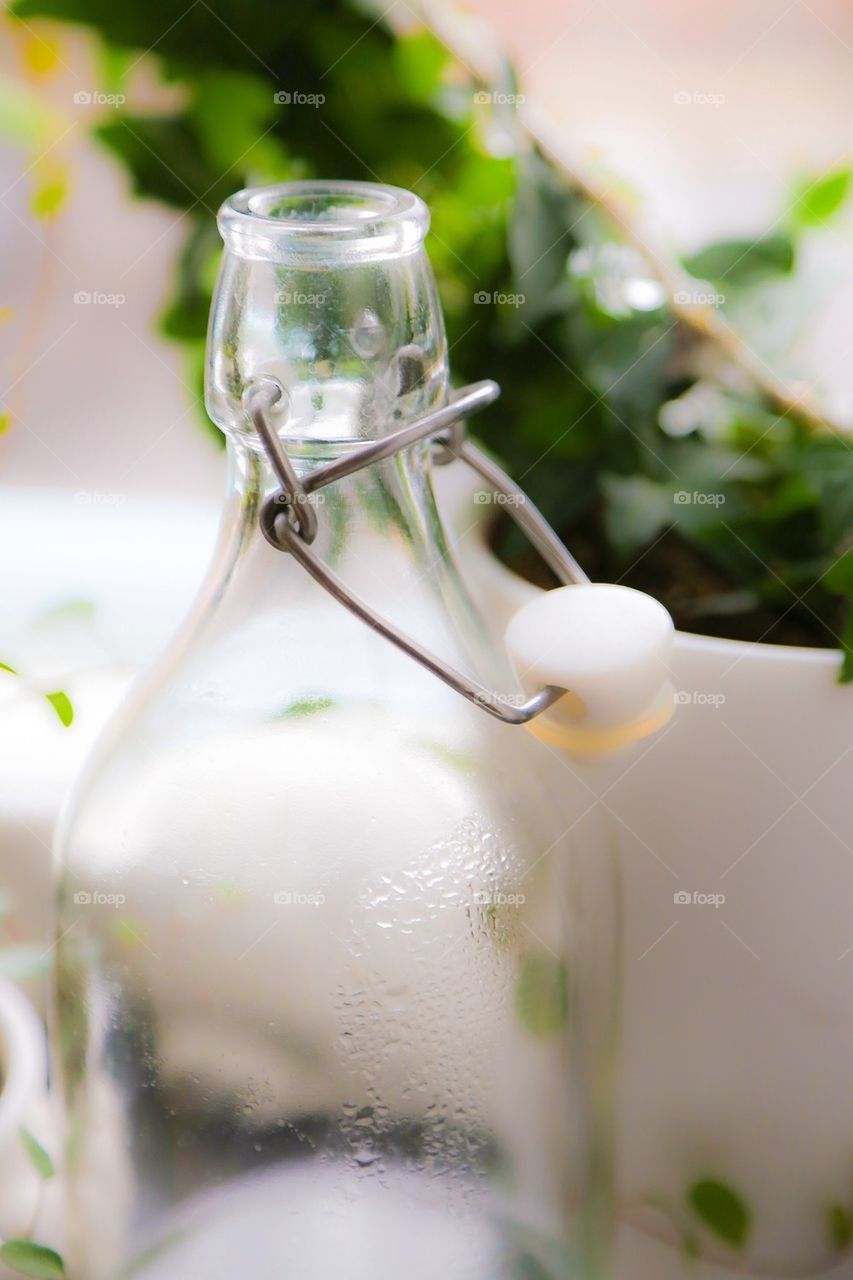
<point>736,830</point>
<point>735,827</point>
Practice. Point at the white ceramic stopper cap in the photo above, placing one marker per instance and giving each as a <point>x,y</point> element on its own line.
<point>609,646</point>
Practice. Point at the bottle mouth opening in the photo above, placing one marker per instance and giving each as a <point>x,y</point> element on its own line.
<point>314,222</point>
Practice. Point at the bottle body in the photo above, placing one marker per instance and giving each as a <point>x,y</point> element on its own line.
<point>335,953</point>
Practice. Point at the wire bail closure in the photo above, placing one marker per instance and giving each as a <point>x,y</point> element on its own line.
<point>288,520</point>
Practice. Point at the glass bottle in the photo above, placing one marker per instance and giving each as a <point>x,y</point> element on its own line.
<point>334,962</point>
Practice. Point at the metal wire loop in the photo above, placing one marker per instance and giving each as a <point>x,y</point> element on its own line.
<point>292,502</point>
<point>289,522</point>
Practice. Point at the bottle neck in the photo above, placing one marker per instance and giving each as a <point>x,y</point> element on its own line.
<point>381,511</point>
<point>326,289</point>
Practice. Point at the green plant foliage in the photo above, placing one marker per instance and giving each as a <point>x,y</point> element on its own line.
<point>743,261</point>
<point>30,1259</point>
<point>68,611</point>
<point>626,429</point>
<point>39,1158</point>
<point>839,1226</point>
<point>49,197</point>
<point>722,1210</point>
<point>304,707</point>
<point>58,699</point>
<point>816,200</point>
<point>61,704</point>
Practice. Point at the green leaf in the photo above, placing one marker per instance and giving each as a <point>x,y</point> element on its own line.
<point>839,1226</point>
<point>723,1211</point>
<point>166,161</point>
<point>421,60</point>
<point>59,700</point>
<point>542,994</point>
<point>840,576</point>
<point>845,671</point>
<point>230,112</point>
<point>740,262</point>
<point>67,611</point>
<point>827,465</point>
<point>61,704</point>
<point>39,1158</point>
<point>817,200</point>
<point>115,65</point>
<point>32,1259</point>
<point>305,707</point>
<point>49,197</point>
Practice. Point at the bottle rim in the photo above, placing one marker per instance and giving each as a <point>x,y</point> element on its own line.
<point>315,222</point>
